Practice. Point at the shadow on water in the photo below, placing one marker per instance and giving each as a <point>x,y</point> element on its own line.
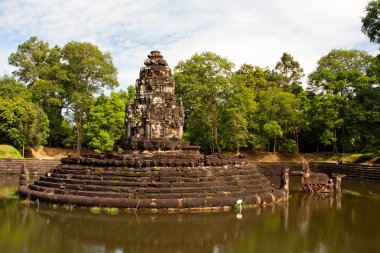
<point>307,223</point>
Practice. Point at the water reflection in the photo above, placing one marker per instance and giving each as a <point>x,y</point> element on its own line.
<point>307,223</point>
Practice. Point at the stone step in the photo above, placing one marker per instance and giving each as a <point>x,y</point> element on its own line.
<point>123,178</point>
<point>138,173</point>
<point>159,195</point>
<point>73,183</point>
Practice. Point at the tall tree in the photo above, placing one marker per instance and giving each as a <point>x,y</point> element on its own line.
<point>88,71</point>
<point>290,74</point>
<point>272,131</point>
<point>256,78</point>
<point>363,120</point>
<point>279,114</point>
<point>202,83</point>
<point>337,78</point>
<point>371,21</point>
<point>41,69</point>
<point>106,119</point>
<point>238,114</point>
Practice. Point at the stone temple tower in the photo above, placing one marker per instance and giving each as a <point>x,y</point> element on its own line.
<point>157,169</point>
<point>155,120</point>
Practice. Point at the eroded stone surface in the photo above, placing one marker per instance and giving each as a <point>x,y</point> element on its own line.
<point>155,119</point>
<point>313,182</point>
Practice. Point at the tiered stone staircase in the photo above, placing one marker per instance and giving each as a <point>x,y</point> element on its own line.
<point>154,182</point>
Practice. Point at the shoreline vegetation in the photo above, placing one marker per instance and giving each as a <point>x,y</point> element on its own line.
<point>41,152</point>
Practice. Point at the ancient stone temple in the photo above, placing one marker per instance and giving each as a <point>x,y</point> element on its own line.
<point>155,120</point>
<point>156,168</point>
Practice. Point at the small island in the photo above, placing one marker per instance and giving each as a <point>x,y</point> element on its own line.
<point>155,169</point>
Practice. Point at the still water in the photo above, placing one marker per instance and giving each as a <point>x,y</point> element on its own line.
<point>338,223</point>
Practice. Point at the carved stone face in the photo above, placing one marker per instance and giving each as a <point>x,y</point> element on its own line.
<point>157,130</point>
<point>157,101</point>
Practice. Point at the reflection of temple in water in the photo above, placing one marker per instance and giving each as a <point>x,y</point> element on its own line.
<point>313,203</point>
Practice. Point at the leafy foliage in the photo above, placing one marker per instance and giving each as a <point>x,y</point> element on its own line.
<point>61,91</point>
<point>22,123</point>
<point>63,80</point>
<point>88,71</point>
<point>105,125</point>
<point>338,77</point>
<point>290,147</point>
<point>203,82</point>
<point>371,21</point>
<point>290,74</point>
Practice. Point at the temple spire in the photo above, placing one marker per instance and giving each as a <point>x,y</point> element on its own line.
<point>155,120</point>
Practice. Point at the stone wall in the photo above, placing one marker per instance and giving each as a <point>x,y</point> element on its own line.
<point>270,169</point>
<point>358,171</point>
<point>351,170</point>
<point>35,166</point>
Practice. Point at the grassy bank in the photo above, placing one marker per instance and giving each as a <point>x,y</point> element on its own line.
<point>369,158</point>
<point>7,151</point>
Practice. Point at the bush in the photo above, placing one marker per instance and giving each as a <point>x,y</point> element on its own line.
<point>290,147</point>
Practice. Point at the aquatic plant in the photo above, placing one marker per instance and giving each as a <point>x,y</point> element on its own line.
<point>25,202</point>
<point>9,193</point>
<point>69,207</point>
<point>95,209</point>
<point>112,210</point>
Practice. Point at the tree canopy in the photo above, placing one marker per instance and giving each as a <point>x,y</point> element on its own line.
<point>65,79</point>
<point>64,97</point>
<point>371,21</point>
<point>22,123</point>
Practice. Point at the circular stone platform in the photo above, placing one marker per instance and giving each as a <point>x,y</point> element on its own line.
<point>161,180</point>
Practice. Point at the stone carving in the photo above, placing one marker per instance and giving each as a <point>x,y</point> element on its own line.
<point>285,179</point>
<point>338,178</point>
<point>155,168</point>
<point>155,120</point>
<point>318,182</point>
<point>24,176</point>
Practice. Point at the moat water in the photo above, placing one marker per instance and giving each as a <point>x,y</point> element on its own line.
<point>345,223</point>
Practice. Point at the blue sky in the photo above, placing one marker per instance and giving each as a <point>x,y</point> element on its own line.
<point>246,31</point>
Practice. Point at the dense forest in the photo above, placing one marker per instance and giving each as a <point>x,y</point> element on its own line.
<point>57,97</point>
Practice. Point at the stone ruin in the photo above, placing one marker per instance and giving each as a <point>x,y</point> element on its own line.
<point>156,168</point>
<point>313,182</point>
<point>155,120</point>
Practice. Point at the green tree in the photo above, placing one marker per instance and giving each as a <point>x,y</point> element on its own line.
<point>22,123</point>
<point>202,83</point>
<point>41,69</point>
<point>89,70</point>
<point>256,78</point>
<point>238,114</point>
<point>106,119</point>
<point>272,130</point>
<point>363,120</point>
<point>371,21</point>
<point>337,78</point>
<point>290,74</point>
<point>10,88</point>
<point>276,105</point>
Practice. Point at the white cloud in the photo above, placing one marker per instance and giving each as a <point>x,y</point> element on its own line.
<point>245,31</point>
